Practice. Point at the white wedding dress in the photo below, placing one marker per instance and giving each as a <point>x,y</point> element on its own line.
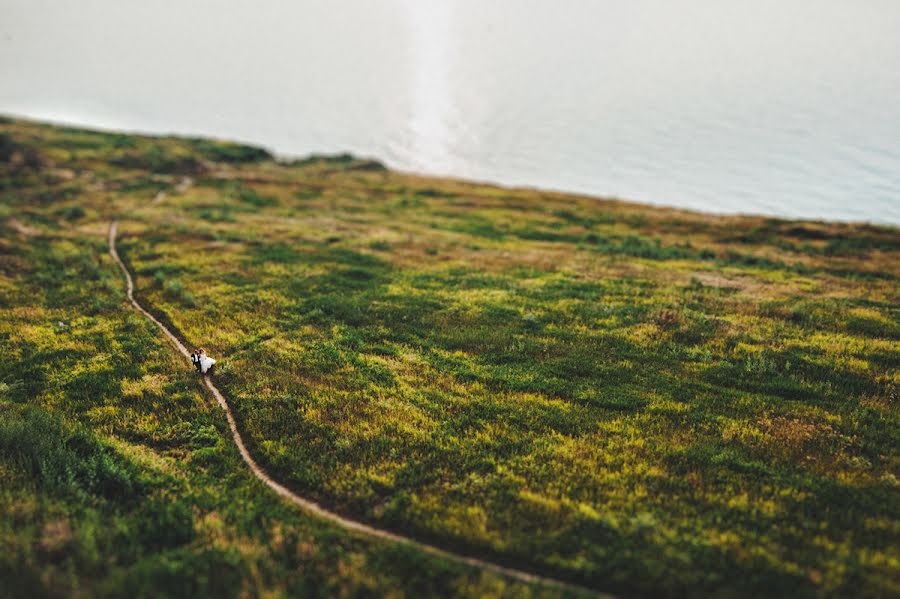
<point>205,363</point>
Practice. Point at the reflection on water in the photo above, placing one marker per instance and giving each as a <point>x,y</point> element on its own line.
<point>769,107</point>
<point>430,127</point>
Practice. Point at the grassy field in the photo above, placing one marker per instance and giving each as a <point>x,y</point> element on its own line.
<point>644,401</point>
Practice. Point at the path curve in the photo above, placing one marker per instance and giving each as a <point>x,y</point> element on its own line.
<point>311,506</point>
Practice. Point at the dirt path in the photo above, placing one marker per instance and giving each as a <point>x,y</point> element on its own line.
<point>311,506</point>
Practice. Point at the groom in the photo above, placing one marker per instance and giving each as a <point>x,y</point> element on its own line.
<point>195,360</point>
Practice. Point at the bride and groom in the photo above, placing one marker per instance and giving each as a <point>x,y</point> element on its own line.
<point>201,361</point>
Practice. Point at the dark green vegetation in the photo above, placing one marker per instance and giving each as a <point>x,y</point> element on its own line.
<point>643,400</point>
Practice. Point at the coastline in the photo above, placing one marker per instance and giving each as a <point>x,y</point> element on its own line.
<point>287,157</point>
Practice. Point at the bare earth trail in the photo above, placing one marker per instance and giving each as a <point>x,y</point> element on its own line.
<point>311,506</point>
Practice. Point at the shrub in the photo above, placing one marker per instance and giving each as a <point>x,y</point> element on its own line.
<point>160,159</point>
<point>230,152</point>
<point>248,196</point>
<point>72,213</point>
<point>7,147</point>
<point>176,290</point>
<point>668,318</point>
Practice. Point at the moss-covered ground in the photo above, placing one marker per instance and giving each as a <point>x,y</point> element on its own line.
<point>641,400</point>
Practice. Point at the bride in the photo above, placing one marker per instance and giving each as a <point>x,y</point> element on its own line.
<point>201,361</point>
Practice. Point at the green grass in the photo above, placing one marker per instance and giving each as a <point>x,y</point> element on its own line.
<point>641,400</point>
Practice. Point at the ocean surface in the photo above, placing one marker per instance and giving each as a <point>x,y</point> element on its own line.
<point>787,108</point>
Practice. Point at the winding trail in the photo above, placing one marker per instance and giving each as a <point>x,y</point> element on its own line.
<point>311,506</point>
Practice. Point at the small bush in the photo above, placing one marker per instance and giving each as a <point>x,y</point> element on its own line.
<point>160,159</point>
<point>19,155</point>
<point>72,213</point>
<point>248,196</point>
<point>668,318</point>
<point>175,289</point>
<point>230,152</point>
<point>7,147</point>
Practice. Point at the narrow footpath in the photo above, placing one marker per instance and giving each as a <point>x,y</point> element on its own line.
<point>310,506</point>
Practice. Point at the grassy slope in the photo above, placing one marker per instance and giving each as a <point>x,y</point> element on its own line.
<point>644,400</point>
